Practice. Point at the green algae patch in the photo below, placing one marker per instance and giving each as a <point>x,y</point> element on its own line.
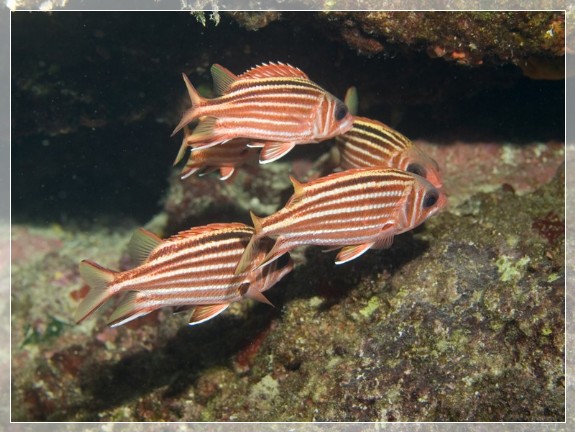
<point>511,270</point>
<point>372,305</point>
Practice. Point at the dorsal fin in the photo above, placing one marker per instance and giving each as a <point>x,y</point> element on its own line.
<point>142,244</point>
<point>223,79</point>
<point>206,228</point>
<point>270,70</point>
<point>298,191</point>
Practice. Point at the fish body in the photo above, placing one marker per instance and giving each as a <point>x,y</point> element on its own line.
<point>225,158</point>
<point>370,143</point>
<point>276,106</point>
<point>357,209</point>
<point>192,269</point>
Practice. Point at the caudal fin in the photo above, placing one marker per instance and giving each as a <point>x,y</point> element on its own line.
<point>190,114</point>
<point>246,261</point>
<point>98,278</point>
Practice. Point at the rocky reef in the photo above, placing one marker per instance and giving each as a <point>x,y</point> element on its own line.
<point>460,320</point>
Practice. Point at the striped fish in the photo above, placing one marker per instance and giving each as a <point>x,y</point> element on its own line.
<point>358,209</point>
<point>276,106</point>
<point>226,158</point>
<point>370,143</point>
<point>192,269</point>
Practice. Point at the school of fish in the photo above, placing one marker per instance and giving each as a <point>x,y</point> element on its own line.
<point>384,186</point>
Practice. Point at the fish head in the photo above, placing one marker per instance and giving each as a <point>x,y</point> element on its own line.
<point>422,201</point>
<point>331,118</point>
<point>415,161</point>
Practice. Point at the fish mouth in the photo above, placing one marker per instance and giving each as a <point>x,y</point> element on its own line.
<point>345,125</point>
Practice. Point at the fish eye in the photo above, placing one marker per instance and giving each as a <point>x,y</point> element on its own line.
<point>340,111</point>
<point>416,168</point>
<point>430,198</point>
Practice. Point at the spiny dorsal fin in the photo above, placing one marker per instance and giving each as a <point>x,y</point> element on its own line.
<point>351,100</point>
<point>203,313</point>
<point>257,221</point>
<point>223,79</point>
<point>142,244</point>
<point>271,70</point>
<point>298,191</point>
<point>207,228</point>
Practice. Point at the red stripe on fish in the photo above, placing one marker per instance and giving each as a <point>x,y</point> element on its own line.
<point>358,209</point>
<point>192,269</point>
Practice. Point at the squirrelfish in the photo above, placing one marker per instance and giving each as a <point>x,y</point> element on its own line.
<point>276,106</point>
<point>358,209</point>
<point>194,269</point>
<point>225,158</point>
<point>370,143</point>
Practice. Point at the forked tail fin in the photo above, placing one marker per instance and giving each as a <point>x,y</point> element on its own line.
<point>246,261</point>
<point>98,278</point>
<point>190,114</point>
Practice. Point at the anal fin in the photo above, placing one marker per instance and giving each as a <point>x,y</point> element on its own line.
<point>351,252</point>
<point>226,172</point>
<point>273,151</point>
<point>203,313</point>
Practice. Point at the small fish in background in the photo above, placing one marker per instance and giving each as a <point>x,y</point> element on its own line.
<point>359,209</point>
<point>225,158</point>
<point>194,269</point>
<point>370,143</point>
<point>276,106</point>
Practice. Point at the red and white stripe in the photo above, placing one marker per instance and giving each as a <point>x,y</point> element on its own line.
<point>365,206</point>
<point>370,143</point>
<point>268,104</point>
<point>192,268</point>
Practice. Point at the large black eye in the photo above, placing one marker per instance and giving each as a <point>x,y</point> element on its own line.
<point>340,111</point>
<point>430,198</point>
<point>415,168</point>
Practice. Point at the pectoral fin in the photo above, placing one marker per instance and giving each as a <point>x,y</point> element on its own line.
<point>384,242</point>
